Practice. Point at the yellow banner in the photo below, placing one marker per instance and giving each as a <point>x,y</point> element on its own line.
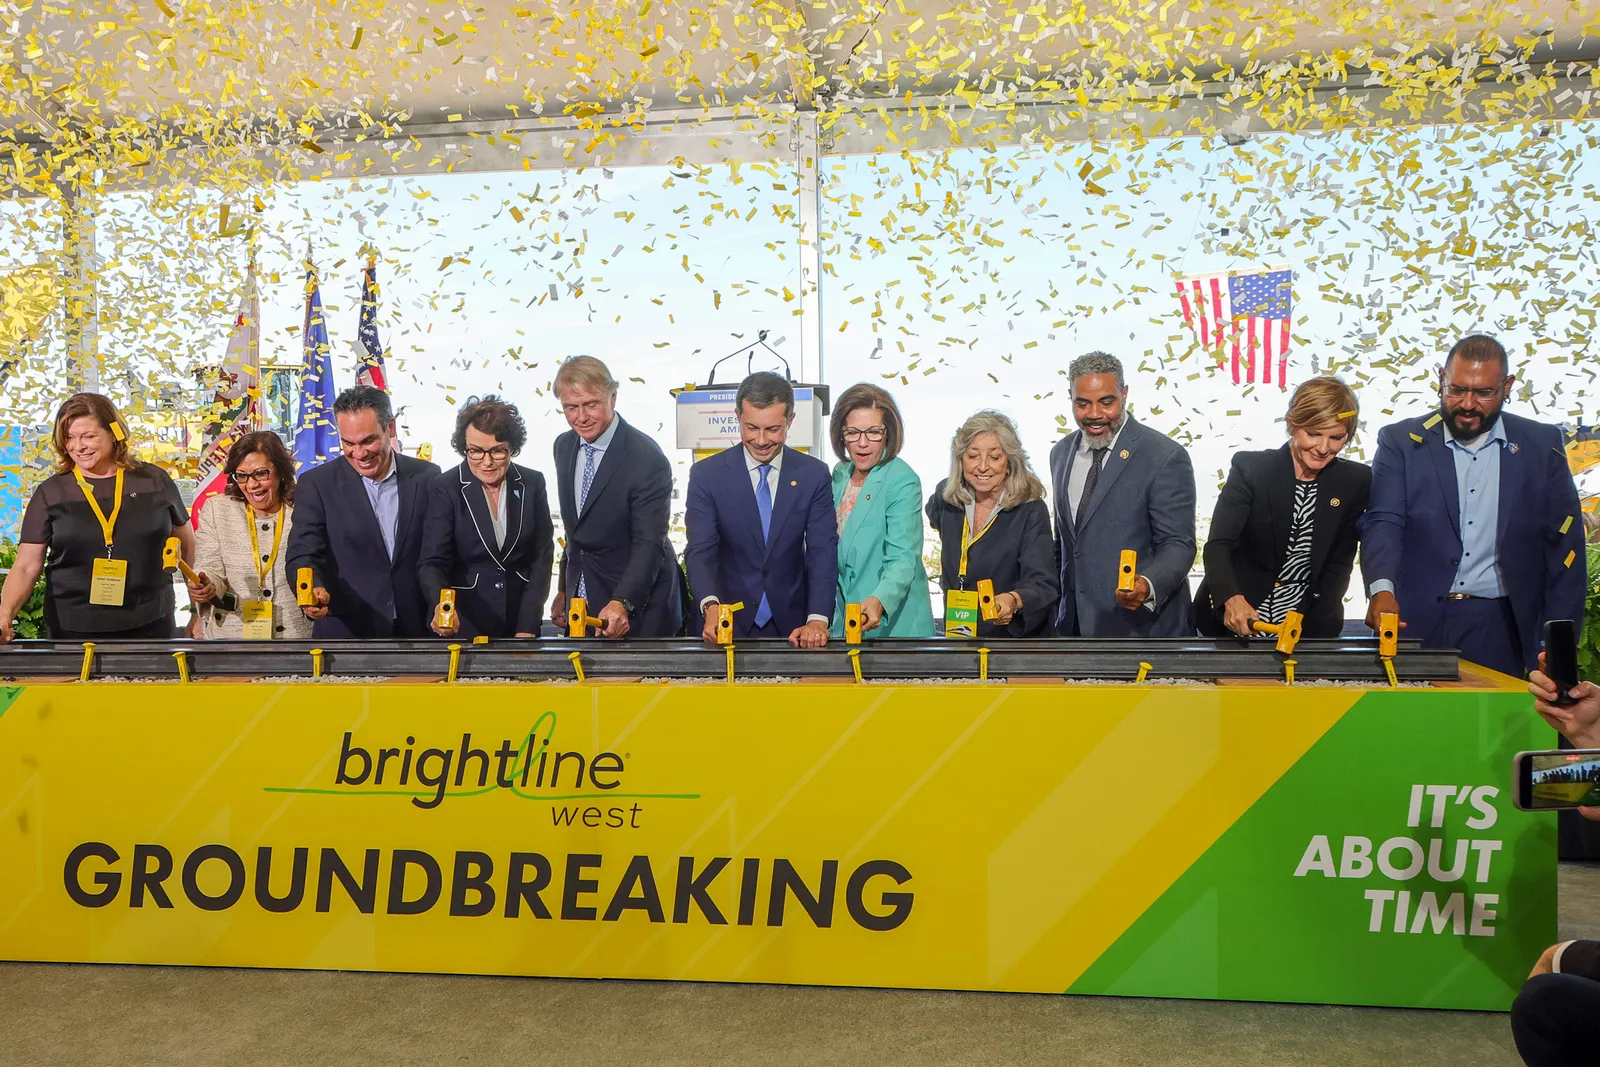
<point>940,836</point>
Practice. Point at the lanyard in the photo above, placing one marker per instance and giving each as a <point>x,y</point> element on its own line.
<point>107,526</point>
<point>264,568</point>
<point>967,540</point>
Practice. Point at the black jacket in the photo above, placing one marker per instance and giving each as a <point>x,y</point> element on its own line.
<point>1250,538</point>
<point>500,591</point>
<point>1018,554</point>
<point>336,534</point>
<point>619,544</point>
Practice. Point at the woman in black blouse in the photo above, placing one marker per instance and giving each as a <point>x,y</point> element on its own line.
<point>97,528</point>
<point>1283,535</point>
<point>993,524</point>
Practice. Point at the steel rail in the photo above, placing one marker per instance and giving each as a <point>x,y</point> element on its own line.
<point>1346,660</point>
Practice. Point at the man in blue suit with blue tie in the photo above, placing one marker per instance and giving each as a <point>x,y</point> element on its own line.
<point>1473,534</point>
<point>761,524</point>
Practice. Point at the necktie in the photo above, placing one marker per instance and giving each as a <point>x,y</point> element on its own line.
<point>764,508</point>
<point>583,497</point>
<point>1088,490</point>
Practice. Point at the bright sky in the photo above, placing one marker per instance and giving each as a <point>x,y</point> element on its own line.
<point>987,275</point>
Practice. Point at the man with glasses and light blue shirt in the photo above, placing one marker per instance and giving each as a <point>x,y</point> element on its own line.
<point>1473,534</point>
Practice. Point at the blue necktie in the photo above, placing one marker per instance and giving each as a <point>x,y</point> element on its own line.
<point>764,508</point>
<point>583,497</point>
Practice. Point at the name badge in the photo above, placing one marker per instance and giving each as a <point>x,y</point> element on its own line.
<point>108,583</point>
<point>961,613</point>
<point>257,616</point>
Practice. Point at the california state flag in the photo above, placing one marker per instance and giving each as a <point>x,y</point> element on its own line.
<point>237,399</point>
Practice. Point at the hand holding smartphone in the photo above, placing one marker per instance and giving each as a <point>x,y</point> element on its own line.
<point>1561,658</point>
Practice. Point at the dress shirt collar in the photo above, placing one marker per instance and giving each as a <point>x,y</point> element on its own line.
<point>751,463</point>
<point>394,472</point>
<point>603,442</point>
<point>1495,435</point>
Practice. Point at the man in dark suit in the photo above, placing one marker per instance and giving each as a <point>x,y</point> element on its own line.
<point>358,525</point>
<point>1473,534</point>
<point>1119,485</point>
<point>762,529</point>
<point>615,488</point>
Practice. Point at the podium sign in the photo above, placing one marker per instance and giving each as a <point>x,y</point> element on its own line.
<point>707,421</point>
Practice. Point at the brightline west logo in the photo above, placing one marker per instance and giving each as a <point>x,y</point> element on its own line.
<point>530,770</point>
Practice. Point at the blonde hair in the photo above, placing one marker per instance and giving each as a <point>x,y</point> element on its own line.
<point>1021,484</point>
<point>583,371</point>
<point>1319,402</point>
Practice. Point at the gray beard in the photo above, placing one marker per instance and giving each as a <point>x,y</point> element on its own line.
<point>1098,444</point>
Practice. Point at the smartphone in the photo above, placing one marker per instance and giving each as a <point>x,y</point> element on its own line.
<point>1550,781</point>
<point>1561,657</point>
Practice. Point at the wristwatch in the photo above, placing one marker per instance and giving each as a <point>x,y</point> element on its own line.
<point>627,605</point>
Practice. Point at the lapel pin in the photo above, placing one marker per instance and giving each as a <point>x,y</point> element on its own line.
<point>794,483</point>
<point>1513,448</point>
<point>1123,454</point>
<point>1334,502</point>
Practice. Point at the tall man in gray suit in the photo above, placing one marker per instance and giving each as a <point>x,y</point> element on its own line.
<point>1119,485</point>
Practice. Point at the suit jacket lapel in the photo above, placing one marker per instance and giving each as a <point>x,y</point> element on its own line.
<point>1444,466</point>
<point>1064,490</point>
<point>516,508</point>
<point>363,504</point>
<point>1113,466</point>
<point>613,457</point>
<point>863,506</point>
<point>566,460</point>
<point>1510,485</point>
<point>783,495</point>
<point>1280,506</point>
<point>477,502</point>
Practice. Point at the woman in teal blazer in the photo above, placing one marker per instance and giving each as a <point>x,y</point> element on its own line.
<point>878,500</point>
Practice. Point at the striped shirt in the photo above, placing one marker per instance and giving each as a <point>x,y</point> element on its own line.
<point>1294,578</point>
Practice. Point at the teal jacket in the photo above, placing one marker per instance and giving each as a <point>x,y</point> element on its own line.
<point>880,550</point>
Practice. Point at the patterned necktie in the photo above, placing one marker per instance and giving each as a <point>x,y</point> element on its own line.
<point>764,508</point>
<point>583,497</point>
<point>1088,489</point>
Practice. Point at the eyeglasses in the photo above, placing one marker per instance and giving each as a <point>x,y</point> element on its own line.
<point>263,475</point>
<point>1460,392</point>
<point>497,453</point>
<point>872,433</point>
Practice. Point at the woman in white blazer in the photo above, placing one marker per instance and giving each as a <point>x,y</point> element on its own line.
<point>241,543</point>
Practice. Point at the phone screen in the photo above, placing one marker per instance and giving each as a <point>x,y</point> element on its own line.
<point>1560,779</point>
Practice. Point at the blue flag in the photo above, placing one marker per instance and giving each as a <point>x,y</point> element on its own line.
<point>315,438</point>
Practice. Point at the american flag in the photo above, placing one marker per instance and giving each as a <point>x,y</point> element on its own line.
<point>369,350</point>
<point>1250,311</point>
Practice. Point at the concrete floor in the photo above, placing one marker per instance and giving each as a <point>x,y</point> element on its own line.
<point>187,1017</point>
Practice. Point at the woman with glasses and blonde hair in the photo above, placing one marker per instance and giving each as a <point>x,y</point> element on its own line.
<point>97,529</point>
<point>1283,535</point>
<point>242,589</point>
<point>877,496</point>
<point>488,535</point>
<point>993,525</point>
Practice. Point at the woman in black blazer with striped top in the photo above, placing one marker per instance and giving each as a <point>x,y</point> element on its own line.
<point>488,534</point>
<point>1283,535</point>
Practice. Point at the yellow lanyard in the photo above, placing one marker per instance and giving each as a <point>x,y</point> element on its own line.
<point>967,541</point>
<point>107,526</point>
<point>264,567</point>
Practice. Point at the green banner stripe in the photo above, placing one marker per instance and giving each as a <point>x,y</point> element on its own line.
<point>1240,925</point>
